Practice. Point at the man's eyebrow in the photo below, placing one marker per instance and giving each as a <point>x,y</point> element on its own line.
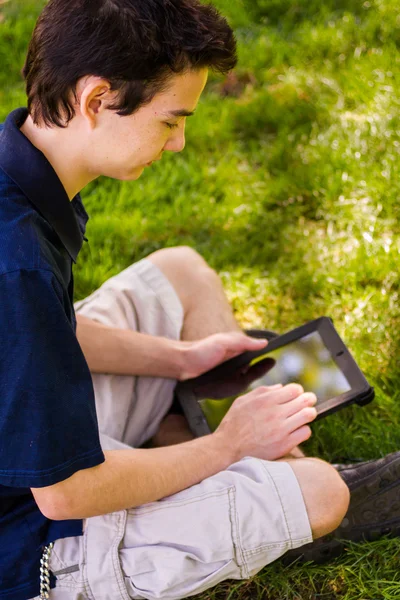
<point>180,113</point>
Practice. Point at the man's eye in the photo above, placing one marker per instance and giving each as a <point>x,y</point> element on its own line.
<point>171,125</point>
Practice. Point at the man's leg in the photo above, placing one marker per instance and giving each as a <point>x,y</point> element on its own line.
<point>206,307</point>
<point>325,494</point>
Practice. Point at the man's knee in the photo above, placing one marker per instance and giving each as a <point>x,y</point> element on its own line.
<point>185,268</point>
<point>183,257</point>
<point>326,496</point>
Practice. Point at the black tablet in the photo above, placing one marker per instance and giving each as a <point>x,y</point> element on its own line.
<point>313,355</point>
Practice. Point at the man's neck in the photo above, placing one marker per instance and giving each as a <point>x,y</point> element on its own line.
<point>66,159</point>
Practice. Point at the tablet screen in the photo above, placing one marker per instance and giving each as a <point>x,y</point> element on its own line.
<point>306,361</point>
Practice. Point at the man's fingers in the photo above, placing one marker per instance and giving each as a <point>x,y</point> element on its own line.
<point>254,343</point>
<point>304,416</point>
<point>289,392</point>
<point>304,400</point>
<point>236,342</point>
<point>300,435</point>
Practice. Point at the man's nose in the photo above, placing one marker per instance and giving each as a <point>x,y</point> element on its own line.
<point>176,143</point>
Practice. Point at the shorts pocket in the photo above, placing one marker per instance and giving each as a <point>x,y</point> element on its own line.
<point>181,545</point>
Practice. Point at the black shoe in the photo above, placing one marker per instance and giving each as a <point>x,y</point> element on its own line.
<point>374,510</point>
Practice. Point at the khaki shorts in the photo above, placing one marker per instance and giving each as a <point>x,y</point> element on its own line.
<point>228,526</point>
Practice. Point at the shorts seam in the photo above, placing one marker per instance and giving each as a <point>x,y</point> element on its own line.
<point>116,563</point>
<point>237,544</point>
<point>280,500</point>
<point>67,585</point>
<point>271,546</point>
<point>88,589</point>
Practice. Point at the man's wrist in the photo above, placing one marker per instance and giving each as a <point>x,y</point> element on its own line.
<point>226,447</point>
<point>182,359</point>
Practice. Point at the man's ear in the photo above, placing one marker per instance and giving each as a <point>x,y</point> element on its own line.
<point>94,95</point>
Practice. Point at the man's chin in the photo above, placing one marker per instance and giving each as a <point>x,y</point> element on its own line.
<point>130,175</point>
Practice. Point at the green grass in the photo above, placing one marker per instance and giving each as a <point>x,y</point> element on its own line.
<point>291,192</point>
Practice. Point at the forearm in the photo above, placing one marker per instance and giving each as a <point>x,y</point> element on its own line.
<point>130,478</point>
<point>125,352</point>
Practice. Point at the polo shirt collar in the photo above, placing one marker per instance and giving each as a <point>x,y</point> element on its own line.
<point>31,171</point>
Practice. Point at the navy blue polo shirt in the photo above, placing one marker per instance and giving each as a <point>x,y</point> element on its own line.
<point>48,424</point>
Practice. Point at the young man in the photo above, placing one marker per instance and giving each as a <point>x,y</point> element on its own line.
<point>110,84</point>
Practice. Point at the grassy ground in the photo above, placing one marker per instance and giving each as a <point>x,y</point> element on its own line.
<point>289,186</point>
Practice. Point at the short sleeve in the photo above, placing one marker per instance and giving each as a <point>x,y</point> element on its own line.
<point>48,423</point>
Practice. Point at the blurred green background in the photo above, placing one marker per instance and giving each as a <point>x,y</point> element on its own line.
<point>289,186</point>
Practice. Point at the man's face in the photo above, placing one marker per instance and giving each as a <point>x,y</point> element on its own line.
<point>122,147</point>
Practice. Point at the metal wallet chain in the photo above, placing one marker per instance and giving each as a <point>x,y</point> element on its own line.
<point>44,573</point>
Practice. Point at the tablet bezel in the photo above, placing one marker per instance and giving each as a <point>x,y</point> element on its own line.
<point>360,390</point>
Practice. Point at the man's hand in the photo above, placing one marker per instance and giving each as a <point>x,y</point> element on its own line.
<point>268,422</point>
<point>202,355</point>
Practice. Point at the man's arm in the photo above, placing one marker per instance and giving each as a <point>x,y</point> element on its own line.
<point>125,352</point>
<point>130,478</point>
<point>266,423</point>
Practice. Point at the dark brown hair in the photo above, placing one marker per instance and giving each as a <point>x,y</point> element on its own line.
<point>135,44</point>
